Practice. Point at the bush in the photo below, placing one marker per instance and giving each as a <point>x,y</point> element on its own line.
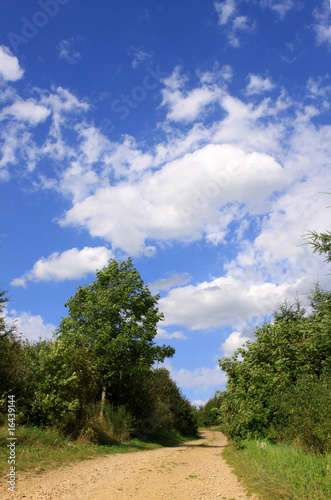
<point>279,386</point>
<point>115,426</point>
<point>308,405</point>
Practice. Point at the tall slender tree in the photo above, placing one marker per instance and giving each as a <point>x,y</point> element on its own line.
<point>115,319</point>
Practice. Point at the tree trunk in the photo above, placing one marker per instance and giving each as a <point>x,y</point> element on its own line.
<point>103,399</point>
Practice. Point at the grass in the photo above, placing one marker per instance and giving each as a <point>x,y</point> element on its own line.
<point>279,471</point>
<point>40,449</point>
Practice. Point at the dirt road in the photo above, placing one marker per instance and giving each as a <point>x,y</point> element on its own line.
<point>192,471</point>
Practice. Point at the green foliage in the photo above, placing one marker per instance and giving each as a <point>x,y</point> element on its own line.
<point>308,403</point>
<point>105,345</point>
<point>62,382</point>
<point>208,414</point>
<point>12,352</point>
<point>10,355</point>
<point>268,387</point>
<point>115,320</point>
<point>321,243</point>
<point>171,408</point>
<point>168,409</point>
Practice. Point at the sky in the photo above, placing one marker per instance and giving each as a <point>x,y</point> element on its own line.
<point>192,136</point>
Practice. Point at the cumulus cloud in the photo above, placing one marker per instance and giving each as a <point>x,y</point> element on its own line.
<point>71,264</point>
<point>233,342</point>
<point>33,327</point>
<point>175,202</point>
<point>10,69</point>
<point>221,302</point>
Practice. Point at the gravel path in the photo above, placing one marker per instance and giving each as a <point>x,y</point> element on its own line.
<point>195,470</point>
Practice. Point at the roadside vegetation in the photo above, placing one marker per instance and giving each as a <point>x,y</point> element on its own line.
<point>93,388</point>
<point>279,471</point>
<point>277,404</point>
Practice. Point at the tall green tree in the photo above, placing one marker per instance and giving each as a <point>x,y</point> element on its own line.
<point>115,319</point>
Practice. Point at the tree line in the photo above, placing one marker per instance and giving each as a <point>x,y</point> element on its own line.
<point>279,385</point>
<point>101,358</point>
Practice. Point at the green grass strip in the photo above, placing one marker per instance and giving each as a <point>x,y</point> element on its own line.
<point>279,471</point>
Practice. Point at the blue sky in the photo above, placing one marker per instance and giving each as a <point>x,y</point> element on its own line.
<point>192,136</point>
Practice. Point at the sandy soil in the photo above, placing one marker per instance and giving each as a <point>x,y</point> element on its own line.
<point>192,471</point>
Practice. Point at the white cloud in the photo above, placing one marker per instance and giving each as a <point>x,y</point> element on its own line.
<point>179,201</point>
<point>240,25</point>
<point>188,105</point>
<point>62,101</point>
<point>225,11</point>
<point>139,56</point>
<point>258,85</point>
<point>246,126</point>
<point>95,145</point>
<point>232,343</point>
<point>282,7</point>
<point>323,33</point>
<point>78,181</point>
<point>26,111</point>
<point>17,142</point>
<point>318,88</point>
<point>200,379</point>
<point>170,282</point>
<point>233,24</point>
<point>163,334</point>
<point>32,327</point>
<point>67,52</point>
<point>278,253</point>
<point>322,27</point>
<point>9,65</point>
<point>193,185</point>
<point>198,402</point>
<point>222,301</point>
<point>71,264</point>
